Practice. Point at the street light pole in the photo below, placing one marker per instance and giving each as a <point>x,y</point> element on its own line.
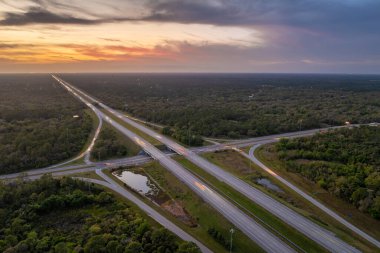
<point>231,232</point>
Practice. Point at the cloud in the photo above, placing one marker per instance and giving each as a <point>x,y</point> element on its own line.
<point>298,35</point>
<point>37,15</point>
<point>324,17</point>
<point>176,56</point>
<point>298,13</point>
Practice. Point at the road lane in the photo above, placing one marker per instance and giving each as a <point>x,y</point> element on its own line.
<point>315,232</point>
<point>265,139</point>
<point>247,225</point>
<point>315,202</point>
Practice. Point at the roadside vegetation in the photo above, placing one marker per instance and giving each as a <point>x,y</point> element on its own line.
<point>248,171</point>
<point>237,106</point>
<point>37,123</point>
<point>65,215</point>
<point>345,162</point>
<point>181,205</point>
<point>111,144</point>
<point>263,217</point>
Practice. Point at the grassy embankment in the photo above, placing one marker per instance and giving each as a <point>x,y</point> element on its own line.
<point>204,215</point>
<point>241,167</point>
<point>262,216</point>
<point>267,155</point>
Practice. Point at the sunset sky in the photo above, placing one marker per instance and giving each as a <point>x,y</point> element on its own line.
<point>321,36</point>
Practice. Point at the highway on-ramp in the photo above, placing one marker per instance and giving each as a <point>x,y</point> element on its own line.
<point>315,232</point>
<point>243,222</point>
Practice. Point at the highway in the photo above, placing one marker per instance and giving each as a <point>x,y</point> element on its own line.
<point>73,169</point>
<point>263,140</point>
<point>315,232</point>
<point>252,157</point>
<point>109,183</point>
<point>243,222</point>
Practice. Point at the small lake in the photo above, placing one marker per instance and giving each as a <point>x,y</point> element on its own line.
<point>138,182</point>
<point>268,184</point>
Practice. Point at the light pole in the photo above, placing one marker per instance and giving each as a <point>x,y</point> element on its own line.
<point>231,232</point>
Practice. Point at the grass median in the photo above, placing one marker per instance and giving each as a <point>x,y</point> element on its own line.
<point>145,136</point>
<point>262,216</point>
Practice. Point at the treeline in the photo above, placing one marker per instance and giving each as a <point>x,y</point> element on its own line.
<point>214,233</point>
<point>186,136</point>
<point>37,127</point>
<point>65,215</point>
<point>346,162</point>
<point>236,106</point>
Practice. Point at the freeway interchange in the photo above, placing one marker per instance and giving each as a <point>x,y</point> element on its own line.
<point>247,225</point>
<point>260,235</point>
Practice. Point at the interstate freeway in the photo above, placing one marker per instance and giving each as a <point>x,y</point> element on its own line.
<point>312,230</point>
<point>256,232</point>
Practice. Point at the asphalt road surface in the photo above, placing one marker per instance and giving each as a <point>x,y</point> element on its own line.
<point>252,157</point>
<point>315,232</point>
<point>247,225</point>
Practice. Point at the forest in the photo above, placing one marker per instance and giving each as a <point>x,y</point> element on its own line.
<point>37,127</point>
<point>237,105</point>
<point>111,144</point>
<point>346,162</point>
<point>67,215</point>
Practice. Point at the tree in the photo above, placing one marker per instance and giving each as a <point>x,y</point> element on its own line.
<point>133,247</point>
<point>188,247</point>
<point>96,244</point>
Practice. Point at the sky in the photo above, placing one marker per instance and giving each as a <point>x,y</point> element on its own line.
<point>254,36</point>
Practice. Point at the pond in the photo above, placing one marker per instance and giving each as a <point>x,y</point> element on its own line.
<point>268,184</point>
<point>138,182</point>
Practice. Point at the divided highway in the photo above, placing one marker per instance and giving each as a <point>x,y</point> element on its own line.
<point>247,225</point>
<point>315,232</point>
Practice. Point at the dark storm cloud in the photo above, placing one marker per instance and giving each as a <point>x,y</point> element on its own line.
<point>308,35</point>
<point>40,16</point>
<point>334,15</point>
<point>7,45</point>
<point>322,14</point>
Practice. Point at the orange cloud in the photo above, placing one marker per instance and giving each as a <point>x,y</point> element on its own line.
<point>63,53</point>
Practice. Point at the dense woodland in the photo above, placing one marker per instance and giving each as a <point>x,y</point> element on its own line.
<point>237,106</point>
<point>346,162</point>
<point>37,127</point>
<point>109,145</point>
<point>64,215</point>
